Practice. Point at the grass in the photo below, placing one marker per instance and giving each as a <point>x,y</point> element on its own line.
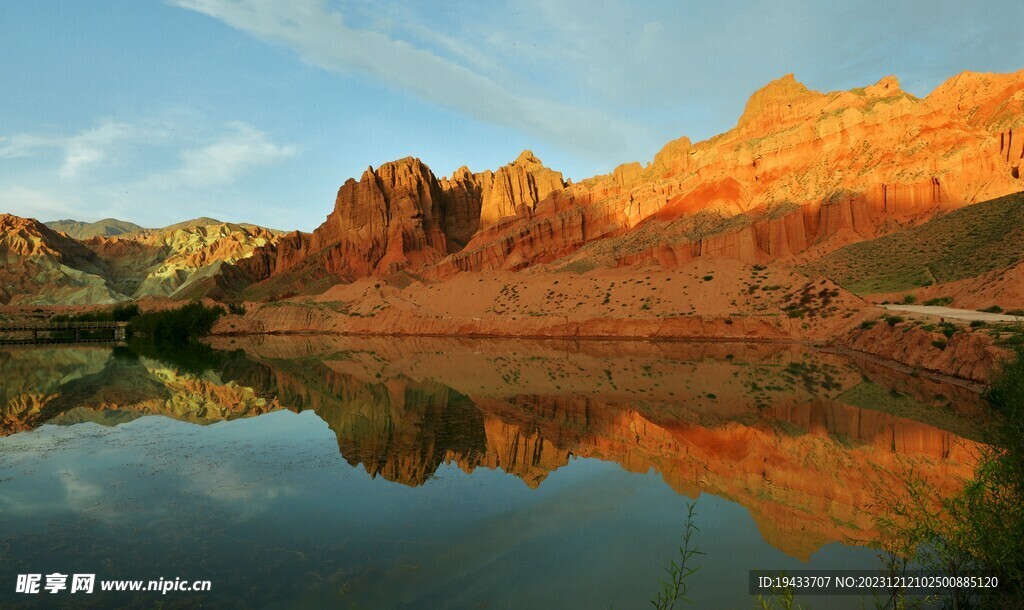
<point>961,244</point>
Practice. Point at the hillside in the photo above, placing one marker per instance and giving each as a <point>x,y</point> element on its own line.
<point>108,227</point>
<point>962,244</point>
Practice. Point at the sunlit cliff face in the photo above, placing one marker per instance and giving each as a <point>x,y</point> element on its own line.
<point>801,169</point>
<point>802,439</point>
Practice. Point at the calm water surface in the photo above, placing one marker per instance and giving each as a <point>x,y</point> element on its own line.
<point>422,473</point>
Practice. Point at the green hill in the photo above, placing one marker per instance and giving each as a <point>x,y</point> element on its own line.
<point>959,245</point>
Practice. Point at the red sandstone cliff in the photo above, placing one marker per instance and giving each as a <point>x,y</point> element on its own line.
<point>802,172</point>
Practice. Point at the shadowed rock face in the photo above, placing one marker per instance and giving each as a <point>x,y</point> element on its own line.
<point>799,438</point>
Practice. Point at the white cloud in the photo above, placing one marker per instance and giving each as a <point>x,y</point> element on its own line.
<point>93,147</point>
<point>107,169</point>
<point>83,151</point>
<point>25,145</point>
<point>223,160</point>
<point>322,37</point>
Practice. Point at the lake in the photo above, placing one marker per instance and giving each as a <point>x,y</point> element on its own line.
<point>443,473</point>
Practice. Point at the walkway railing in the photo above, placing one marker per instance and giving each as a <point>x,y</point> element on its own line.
<point>61,332</point>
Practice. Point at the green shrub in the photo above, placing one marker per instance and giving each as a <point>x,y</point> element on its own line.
<point>992,309</point>
<point>939,343</point>
<point>866,324</point>
<point>938,301</point>
<point>893,320</point>
<point>238,309</point>
<point>176,325</point>
<point>909,299</point>
<point>119,313</point>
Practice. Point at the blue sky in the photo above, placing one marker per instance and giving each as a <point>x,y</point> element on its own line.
<point>257,110</point>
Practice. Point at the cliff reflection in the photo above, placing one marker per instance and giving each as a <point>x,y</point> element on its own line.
<point>796,436</point>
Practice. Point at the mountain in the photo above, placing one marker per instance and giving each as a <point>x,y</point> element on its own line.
<point>108,227</point>
<point>175,260</point>
<point>44,267</point>
<point>398,217</point>
<point>801,174</point>
<point>40,266</point>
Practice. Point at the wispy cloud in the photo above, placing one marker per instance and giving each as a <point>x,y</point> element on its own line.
<point>106,169</point>
<point>223,160</point>
<point>323,38</point>
<point>25,145</point>
<point>96,146</point>
<point>86,150</point>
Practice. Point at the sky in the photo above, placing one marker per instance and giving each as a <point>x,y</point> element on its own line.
<point>258,110</point>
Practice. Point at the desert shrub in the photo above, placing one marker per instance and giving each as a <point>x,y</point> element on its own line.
<point>939,301</point>
<point>893,320</point>
<point>909,299</point>
<point>992,309</point>
<point>238,309</point>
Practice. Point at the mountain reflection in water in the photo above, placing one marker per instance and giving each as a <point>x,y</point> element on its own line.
<point>799,438</point>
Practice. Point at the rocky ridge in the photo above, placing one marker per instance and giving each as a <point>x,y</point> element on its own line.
<point>802,173</point>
